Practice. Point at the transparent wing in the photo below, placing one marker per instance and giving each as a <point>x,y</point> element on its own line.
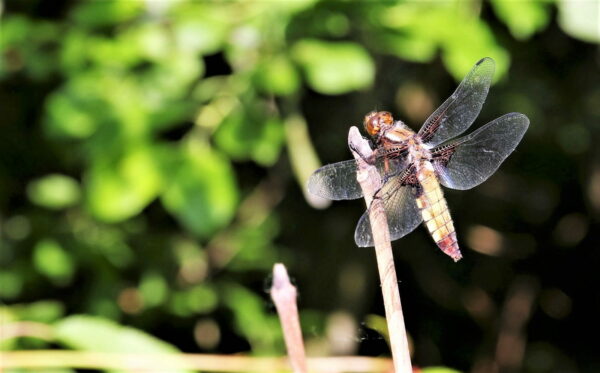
<point>470,160</point>
<point>459,111</point>
<point>337,181</point>
<point>401,210</point>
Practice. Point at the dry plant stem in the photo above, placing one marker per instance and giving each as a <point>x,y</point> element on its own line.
<point>370,182</point>
<point>26,329</point>
<point>284,295</point>
<point>154,363</point>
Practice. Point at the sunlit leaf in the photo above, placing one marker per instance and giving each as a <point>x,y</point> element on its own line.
<point>117,53</point>
<point>580,19</point>
<point>203,36</point>
<point>28,45</point>
<point>250,134</point>
<point>478,36</point>
<point>103,13</point>
<point>202,27</point>
<point>171,75</point>
<point>410,47</point>
<point>147,41</point>
<point>278,76</point>
<point>199,299</point>
<point>67,119</point>
<point>293,6</point>
<point>53,261</point>
<point>90,333</point>
<point>379,324</point>
<point>421,28</point>
<point>121,189</point>
<point>415,29</point>
<point>439,370</point>
<point>15,29</point>
<point>251,319</point>
<point>523,18</point>
<point>44,311</point>
<point>255,247</point>
<point>334,67</point>
<point>201,192</point>
<point>54,191</point>
<point>73,54</point>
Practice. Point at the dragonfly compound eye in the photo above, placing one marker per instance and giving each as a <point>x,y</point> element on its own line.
<point>375,120</point>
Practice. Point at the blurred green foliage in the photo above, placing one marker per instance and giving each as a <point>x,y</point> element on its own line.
<point>149,143</point>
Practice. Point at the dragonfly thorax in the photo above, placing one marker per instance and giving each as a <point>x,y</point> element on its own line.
<point>417,153</point>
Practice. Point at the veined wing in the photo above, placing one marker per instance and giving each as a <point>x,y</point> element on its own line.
<point>468,161</point>
<point>401,210</point>
<point>459,111</point>
<point>337,181</point>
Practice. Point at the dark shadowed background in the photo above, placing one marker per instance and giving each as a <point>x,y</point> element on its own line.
<point>153,158</point>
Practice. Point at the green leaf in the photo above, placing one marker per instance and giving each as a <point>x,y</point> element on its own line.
<point>200,299</point>
<point>439,370</point>
<point>12,283</point>
<point>67,118</point>
<point>203,36</point>
<point>120,190</point>
<point>478,36</point>
<point>414,29</point>
<point>278,76</point>
<point>523,18</point>
<point>254,242</point>
<point>580,19</point>
<point>97,334</point>
<point>420,28</point>
<point>334,68</point>
<point>262,329</point>
<point>54,191</point>
<point>154,289</point>
<point>379,324</point>
<point>248,133</point>
<point>44,311</point>
<point>106,13</point>
<point>201,193</point>
<point>410,47</point>
<point>53,261</point>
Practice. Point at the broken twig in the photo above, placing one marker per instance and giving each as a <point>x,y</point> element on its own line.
<point>284,296</point>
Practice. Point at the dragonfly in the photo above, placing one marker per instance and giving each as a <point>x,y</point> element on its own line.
<point>414,166</point>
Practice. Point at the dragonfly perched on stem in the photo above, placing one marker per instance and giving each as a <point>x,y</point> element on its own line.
<point>413,165</point>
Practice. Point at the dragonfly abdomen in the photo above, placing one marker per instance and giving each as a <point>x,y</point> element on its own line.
<point>436,215</point>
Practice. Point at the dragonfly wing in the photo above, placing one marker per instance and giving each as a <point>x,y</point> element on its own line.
<point>401,210</point>
<point>336,181</point>
<point>459,111</point>
<point>470,160</point>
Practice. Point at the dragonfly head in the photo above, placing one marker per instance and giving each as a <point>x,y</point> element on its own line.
<point>378,121</point>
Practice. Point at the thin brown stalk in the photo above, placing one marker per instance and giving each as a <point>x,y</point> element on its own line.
<point>172,362</point>
<point>370,182</point>
<point>284,295</point>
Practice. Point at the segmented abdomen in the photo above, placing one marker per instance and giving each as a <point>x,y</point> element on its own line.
<point>436,215</point>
